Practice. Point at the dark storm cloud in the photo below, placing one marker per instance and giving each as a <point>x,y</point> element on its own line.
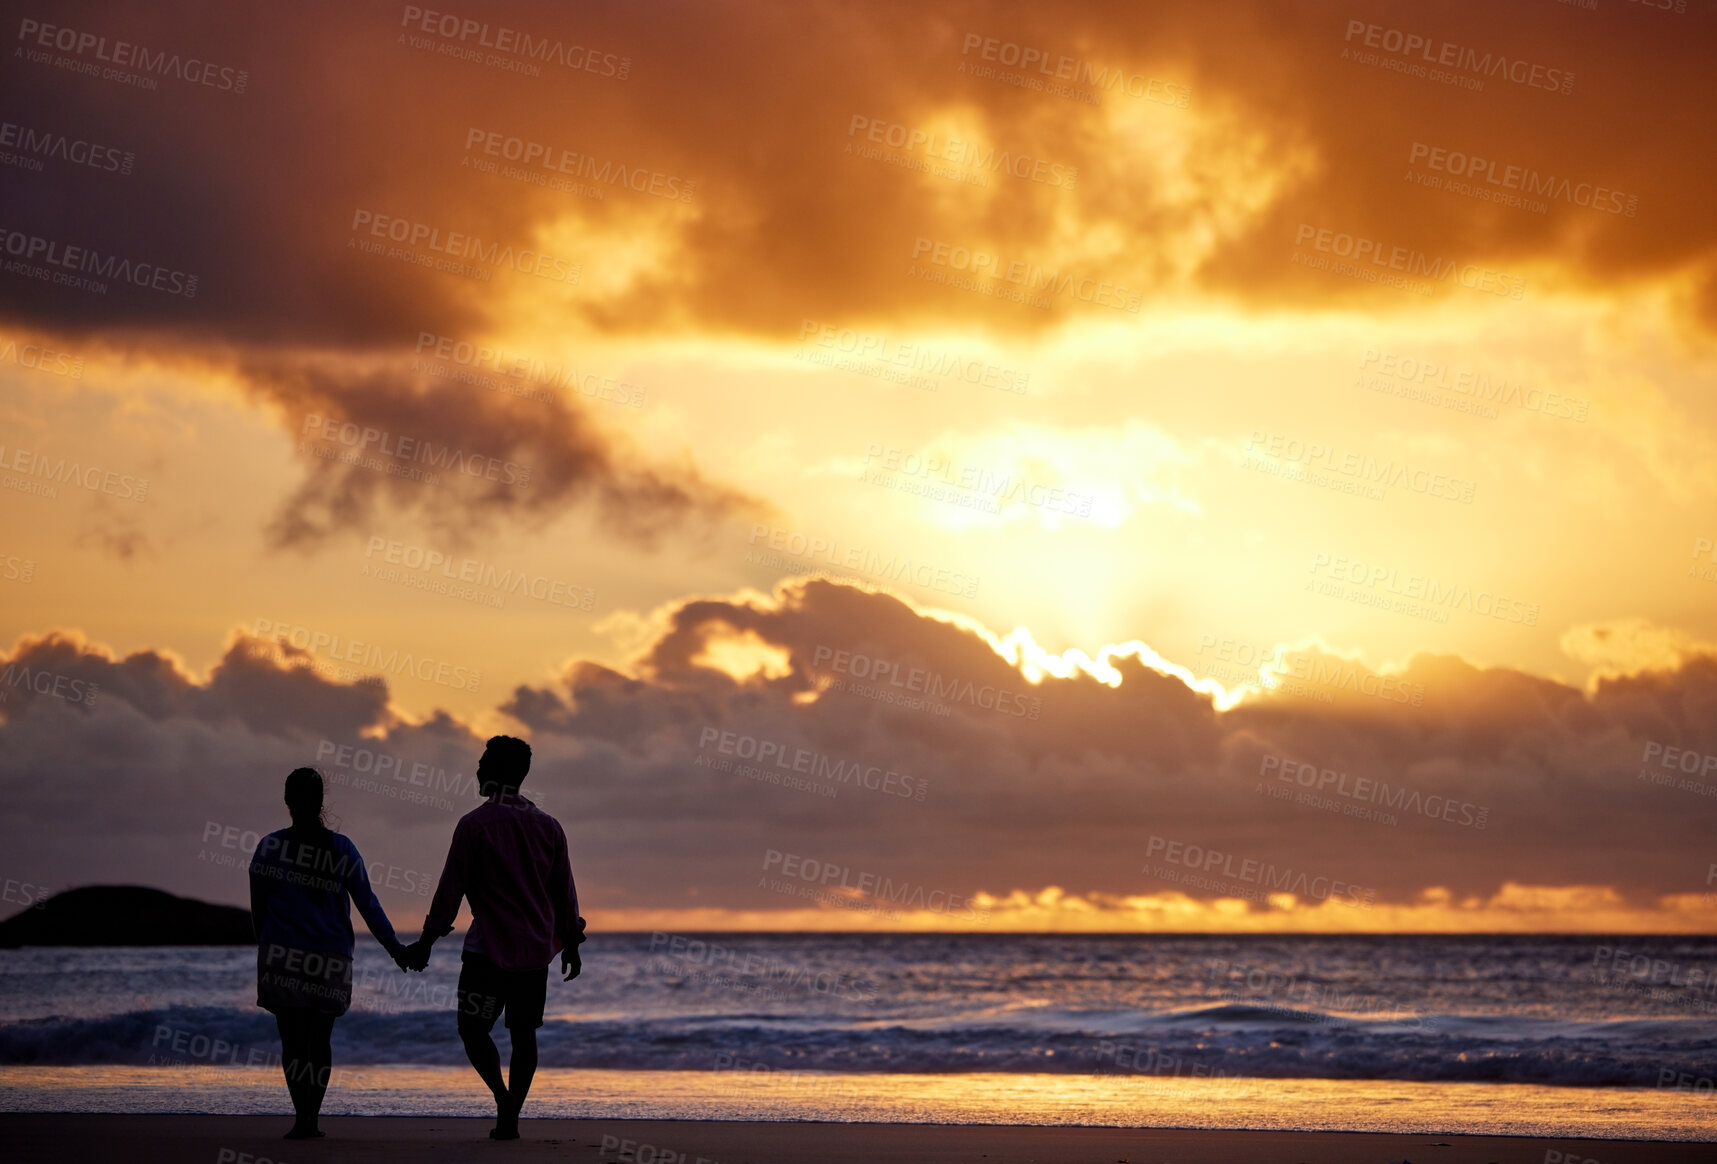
<point>749,110</point>
<point>1015,786</point>
<point>461,461</point>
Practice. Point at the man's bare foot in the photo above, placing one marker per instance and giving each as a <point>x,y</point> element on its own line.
<point>506,1122</point>
<point>300,1132</point>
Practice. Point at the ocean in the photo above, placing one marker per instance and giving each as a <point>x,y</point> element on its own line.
<point>1531,1034</point>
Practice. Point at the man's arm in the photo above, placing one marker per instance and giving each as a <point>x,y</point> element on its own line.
<point>568,926</point>
<point>444,906</point>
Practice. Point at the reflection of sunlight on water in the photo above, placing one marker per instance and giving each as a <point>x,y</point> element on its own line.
<point>1127,1100</point>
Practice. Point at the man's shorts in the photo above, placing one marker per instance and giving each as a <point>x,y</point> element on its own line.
<point>485,990</point>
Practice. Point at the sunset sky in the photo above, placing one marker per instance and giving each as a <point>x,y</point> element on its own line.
<point>1094,426</point>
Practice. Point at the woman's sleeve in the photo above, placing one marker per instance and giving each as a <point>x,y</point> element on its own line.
<point>358,887</point>
<point>258,897</point>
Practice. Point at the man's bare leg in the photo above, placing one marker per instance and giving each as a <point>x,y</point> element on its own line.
<point>520,1071</point>
<point>481,1050</point>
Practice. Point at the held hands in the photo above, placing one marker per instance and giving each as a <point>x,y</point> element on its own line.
<point>414,956</point>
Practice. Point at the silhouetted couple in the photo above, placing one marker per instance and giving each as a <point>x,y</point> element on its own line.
<point>508,857</point>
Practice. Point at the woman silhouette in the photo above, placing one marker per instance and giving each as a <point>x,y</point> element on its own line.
<point>303,880</point>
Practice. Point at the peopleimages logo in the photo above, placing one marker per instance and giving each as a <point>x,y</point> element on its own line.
<point>363,439</point>
<point>893,568</point>
<point>16,569</point>
<point>937,146</point>
<point>1368,790</point>
<point>426,561</point>
<point>123,486</point>
<point>1362,466</point>
<point>1524,179</point>
<point>914,356</point>
<point>1251,871</point>
<point>1428,373</point>
<point>45,143</point>
<point>833,770</point>
<point>992,487</point>
<point>42,682</point>
<point>1300,672</point>
<point>1035,278</point>
<point>931,684</point>
<point>28,249</point>
<point>366,657</point>
<point>1072,70</point>
<point>367,769</point>
<point>30,896</point>
<point>41,359</point>
<point>363,760</point>
<point>1460,57</point>
<point>562,375</point>
<point>196,1049</point>
<point>824,874</point>
<point>459,245</point>
<point>524,47</point>
<point>1428,590</point>
<point>312,864</point>
<point>744,964</point>
<point>1681,759</point>
<point>1411,263</point>
<point>125,55</point>
<point>553,159</point>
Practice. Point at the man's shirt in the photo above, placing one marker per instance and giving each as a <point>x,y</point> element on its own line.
<point>509,858</point>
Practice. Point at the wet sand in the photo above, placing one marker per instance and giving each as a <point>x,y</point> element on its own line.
<point>203,1139</point>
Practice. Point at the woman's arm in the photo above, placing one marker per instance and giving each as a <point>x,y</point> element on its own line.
<point>364,897</point>
<point>259,887</point>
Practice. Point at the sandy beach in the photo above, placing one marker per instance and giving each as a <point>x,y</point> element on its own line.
<point>74,1139</point>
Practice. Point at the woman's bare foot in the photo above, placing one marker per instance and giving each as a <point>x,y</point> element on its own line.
<point>300,1132</point>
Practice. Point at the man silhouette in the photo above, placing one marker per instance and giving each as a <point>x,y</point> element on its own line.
<point>509,858</point>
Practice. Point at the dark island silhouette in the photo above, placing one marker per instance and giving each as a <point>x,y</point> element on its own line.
<point>126,915</point>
